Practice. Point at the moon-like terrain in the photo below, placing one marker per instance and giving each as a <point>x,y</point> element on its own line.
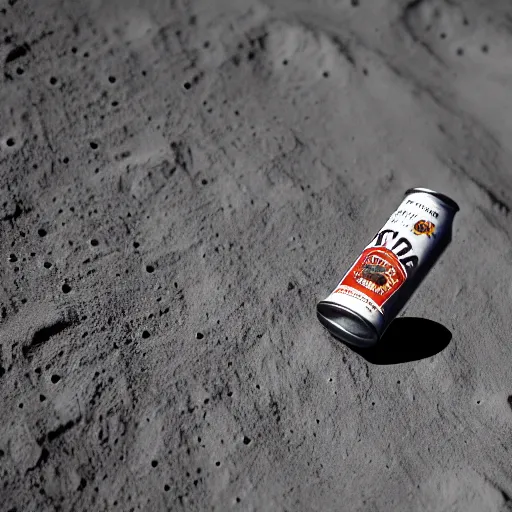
<point>180,183</point>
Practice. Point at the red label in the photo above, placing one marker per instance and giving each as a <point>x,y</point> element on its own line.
<point>377,273</point>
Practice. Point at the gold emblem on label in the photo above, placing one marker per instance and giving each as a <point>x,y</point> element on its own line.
<point>424,227</point>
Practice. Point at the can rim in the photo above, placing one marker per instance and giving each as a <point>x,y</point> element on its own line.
<point>341,332</point>
<point>449,202</point>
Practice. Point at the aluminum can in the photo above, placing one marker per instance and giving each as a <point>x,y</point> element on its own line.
<point>390,268</point>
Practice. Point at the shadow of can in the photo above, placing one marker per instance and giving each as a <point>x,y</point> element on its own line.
<point>407,339</point>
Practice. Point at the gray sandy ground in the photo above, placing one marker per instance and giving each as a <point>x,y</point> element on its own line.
<point>181,182</point>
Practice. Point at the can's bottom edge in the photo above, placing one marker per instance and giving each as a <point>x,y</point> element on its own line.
<point>346,325</point>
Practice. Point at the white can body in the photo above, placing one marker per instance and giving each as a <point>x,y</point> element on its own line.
<point>390,268</point>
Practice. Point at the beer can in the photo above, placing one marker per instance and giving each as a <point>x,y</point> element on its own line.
<point>390,268</point>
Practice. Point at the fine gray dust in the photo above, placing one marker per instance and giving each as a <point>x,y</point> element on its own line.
<point>180,184</point>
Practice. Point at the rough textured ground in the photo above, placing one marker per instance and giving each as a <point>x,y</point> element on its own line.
<point>181,182</point>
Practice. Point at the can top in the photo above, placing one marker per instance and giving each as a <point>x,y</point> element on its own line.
<point>450,203</point>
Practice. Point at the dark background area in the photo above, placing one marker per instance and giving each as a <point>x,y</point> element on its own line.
<point>180,183</point>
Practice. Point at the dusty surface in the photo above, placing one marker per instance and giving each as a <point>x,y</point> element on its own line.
<point>180,183</point>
